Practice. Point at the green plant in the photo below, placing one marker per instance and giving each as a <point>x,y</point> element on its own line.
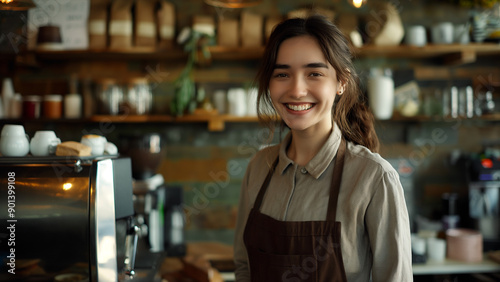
<point>196,45</point>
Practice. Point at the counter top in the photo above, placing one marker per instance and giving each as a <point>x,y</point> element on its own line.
<point>456,267</point>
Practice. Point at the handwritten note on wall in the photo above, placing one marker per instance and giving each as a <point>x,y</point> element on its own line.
<point>70,15</point>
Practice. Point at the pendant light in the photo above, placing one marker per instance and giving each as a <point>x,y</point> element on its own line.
<point>357,3</point>
<point>233,4</point>
<point>16,5</point>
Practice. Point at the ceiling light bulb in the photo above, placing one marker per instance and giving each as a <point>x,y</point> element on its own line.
<point>357,3</point>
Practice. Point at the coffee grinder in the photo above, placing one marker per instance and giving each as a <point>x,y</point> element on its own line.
<point>158,207</point>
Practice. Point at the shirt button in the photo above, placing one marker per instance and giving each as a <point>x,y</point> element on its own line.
<point>303,170</point>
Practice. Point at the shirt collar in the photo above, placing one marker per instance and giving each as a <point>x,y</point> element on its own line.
<point>320,162</point>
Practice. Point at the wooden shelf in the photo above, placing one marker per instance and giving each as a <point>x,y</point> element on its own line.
<point>422,118</point>
<point>450,52</point>
<point>215,122</point>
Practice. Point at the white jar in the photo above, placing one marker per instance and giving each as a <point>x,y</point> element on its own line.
<point>73,106</point>
<point>381,94</point>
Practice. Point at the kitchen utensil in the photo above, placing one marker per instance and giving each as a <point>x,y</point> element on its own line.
<point>416,35</point>
<point>52,106</point>
<point>96,142</point>
<point>442,33</point>
<point>138,99</point>
<point>109,96</point>
<point>436,249</point>
<point>14,141</point>
<point>31,106</point>
<point>145,150</point>
<point>44,143</point>
<point>237,98</point>
<point>464,245</point>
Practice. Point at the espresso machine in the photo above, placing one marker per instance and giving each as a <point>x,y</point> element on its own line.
<point>67,218</point>
<point>484,198</point>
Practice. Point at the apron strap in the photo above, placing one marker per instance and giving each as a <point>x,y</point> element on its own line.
<point>263,188</point>
<point>336,178</point>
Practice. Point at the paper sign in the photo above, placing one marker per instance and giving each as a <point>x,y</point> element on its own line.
<point>70,15</point>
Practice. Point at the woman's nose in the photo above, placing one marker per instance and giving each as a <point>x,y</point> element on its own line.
<point>298,88</point>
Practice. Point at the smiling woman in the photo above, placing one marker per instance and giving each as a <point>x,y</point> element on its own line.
<point>321,205</point>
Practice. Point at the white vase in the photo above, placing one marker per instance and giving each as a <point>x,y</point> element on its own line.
<point>381,96</point>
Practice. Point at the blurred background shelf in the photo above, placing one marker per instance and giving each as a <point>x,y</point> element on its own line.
<point>448,51</point>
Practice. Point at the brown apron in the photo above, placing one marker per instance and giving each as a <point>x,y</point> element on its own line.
<point>293,251</point>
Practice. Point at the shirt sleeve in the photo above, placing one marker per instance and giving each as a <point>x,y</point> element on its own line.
<point>242,271</point>
<point>388,229</point>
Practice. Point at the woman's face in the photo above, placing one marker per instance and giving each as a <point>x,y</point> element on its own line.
<point>303,85</point>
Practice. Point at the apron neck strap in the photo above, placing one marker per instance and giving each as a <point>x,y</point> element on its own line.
<point>336,178</point>
<point>263,188</point>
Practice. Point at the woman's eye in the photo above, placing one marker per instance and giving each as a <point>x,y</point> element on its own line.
<point>280,75</point>
<point>315,74</point>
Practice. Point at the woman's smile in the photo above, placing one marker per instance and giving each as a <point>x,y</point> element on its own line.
<point>299,107</point>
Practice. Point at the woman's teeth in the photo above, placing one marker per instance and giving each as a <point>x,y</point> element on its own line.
<point>299,107</point>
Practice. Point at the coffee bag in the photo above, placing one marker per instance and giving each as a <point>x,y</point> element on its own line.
<point>120,24</point>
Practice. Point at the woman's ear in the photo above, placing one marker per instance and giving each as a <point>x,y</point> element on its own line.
<point>340,88</point>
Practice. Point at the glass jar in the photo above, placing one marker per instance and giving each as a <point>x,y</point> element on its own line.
<point>31,106</point>
<point>109,96</point>
<point>138,98</point>
<point>52,106</point>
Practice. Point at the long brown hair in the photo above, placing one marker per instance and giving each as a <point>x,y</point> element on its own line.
<point>349,111</point>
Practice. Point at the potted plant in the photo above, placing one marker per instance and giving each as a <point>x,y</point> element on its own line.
<point>196,45</point>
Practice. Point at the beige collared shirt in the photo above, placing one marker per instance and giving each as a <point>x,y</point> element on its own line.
<point>375,230</point>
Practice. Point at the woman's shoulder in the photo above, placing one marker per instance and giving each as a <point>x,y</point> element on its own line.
<point>364,158</point>
<point>265,155</point>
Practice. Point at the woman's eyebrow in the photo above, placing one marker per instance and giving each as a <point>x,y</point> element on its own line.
<point>316,65</point>
<point>310,65</point>
<point>281,66</point>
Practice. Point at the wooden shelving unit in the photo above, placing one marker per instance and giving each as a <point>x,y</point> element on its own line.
<point>215,122</point>
<point>452,53</point>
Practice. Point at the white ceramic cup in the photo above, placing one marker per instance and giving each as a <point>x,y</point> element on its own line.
<point>418,244</point>
<point>237,98</point>
<point>14,141</point>
<point>96,142</point>
<point>416,35</point>
<point>44,143</point>
<point>220,101</point>
<point>436,249</point>
<point>442,33</point>
<point>252,102</point>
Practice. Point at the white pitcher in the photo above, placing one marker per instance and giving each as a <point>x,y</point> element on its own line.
<point>14,141</point>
